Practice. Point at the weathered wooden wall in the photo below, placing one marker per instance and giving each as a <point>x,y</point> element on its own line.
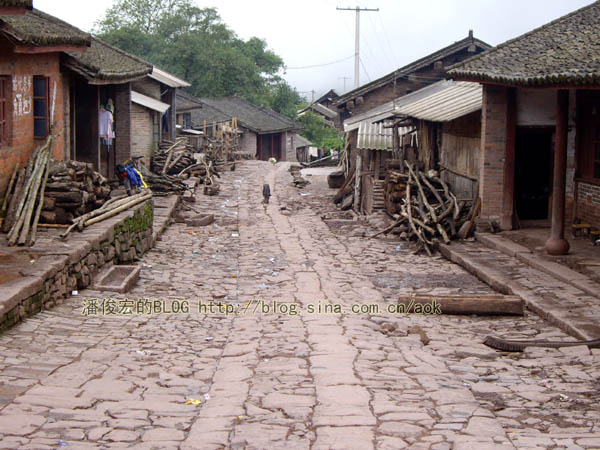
<point>459,155</point>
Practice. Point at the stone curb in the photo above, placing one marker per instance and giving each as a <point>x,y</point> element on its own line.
<point>498,281</point>
<point>525,255</point>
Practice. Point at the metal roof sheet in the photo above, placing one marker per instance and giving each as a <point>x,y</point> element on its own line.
<point>449,101</point>
<point>387,110</point>
<point>375,136</point>
<point>149,102</point>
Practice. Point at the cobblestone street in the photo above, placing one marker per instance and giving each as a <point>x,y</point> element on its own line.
<point>285,362</point>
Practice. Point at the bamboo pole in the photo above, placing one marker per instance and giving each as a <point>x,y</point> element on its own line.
<point>40,201</point>
<point>116,211</point>
<point>10,185</point>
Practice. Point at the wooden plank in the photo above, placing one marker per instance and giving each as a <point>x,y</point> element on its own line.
<point>484,305</point>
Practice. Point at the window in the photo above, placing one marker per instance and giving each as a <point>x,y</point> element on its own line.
<point>41,107</point>
<point>187,121</point>
<point>4,111</point>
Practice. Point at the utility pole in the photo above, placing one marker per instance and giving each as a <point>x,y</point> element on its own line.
<point>344,78</point>
<point>358,9</point>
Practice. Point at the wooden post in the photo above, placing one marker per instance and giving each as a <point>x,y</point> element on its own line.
<point>557,244</point>
<point>508,199</point>
<point>356,205</point>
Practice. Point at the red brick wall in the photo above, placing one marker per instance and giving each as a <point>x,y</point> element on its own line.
<point>21,68</point>
<point>493,151</point>
<point>588,203</point>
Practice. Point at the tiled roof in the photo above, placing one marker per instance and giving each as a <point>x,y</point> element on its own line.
<point>35,27</point>
<point>104,63</point>
<point>564,51</point>
<point>412,67</point>
<point>256,118</point>
<point>21,3</point>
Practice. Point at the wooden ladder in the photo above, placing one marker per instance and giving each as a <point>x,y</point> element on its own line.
<point>378,200</point>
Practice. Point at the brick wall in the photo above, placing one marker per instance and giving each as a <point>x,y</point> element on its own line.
<point>21,69</point>
<point>123,122</point>
<point>493,151</point>
<point>248,143</point>
<point>588,203</point>
<point>142,142</point>
<point>147,86</point>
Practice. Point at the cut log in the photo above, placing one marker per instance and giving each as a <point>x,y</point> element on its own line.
<point>483,305</point>
<point>347,202</point>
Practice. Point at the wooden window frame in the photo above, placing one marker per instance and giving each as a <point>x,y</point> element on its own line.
<point>45,98</point>
<point>5,112</point>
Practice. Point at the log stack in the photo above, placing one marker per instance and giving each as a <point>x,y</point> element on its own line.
<point>172,157</point>
<point>424,207</point>
<point>73,189</point>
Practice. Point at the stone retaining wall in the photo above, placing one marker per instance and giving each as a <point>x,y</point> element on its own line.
<point>121,239</point>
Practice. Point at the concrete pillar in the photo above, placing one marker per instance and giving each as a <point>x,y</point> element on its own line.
<point>557,244</point>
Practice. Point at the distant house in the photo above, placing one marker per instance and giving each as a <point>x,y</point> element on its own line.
<point>48,61</point>
<point>266,133</point>
<point>303,146</point>
<point>323,107</point>
<point>540,135</point>
<point>404,80</point>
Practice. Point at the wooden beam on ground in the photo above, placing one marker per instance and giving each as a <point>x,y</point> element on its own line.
<point>478,304</point>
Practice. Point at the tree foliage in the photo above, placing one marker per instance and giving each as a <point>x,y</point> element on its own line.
<point>319,133</point>
<point>194,44</point>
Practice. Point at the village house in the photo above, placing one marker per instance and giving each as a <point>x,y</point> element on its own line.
<point>324,108</point>
<point>304,149</point>
<point>265,133</point>
<point>402,81</point>
<point>437,127</point>
<point>540,135</point>
<point>50,67</point>
<point>31,81</point>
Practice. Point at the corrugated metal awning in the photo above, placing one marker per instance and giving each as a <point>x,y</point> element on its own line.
<point>387,110</point>
<point>149,102</point>
<point>375,136</point>
<point>452,99</point>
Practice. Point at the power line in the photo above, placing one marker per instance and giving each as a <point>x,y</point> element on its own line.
<point>320,65</point>
<point>388,40</point>
<point>365,69</point>
<point>358,9</point>
<point>381,44</point>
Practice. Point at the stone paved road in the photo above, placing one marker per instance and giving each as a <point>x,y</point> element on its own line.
<point>312,380</point>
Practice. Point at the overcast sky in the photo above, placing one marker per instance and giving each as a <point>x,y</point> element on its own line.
<point>313,33</point>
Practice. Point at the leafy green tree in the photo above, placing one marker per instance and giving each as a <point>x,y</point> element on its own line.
<point>319,133</point>
<point>194,44</point>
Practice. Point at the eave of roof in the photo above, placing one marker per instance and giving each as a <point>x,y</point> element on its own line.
<point>37,28</point>
<point>168,79</point>
<point>564,52</point>
<point>410,68</point>
<point>104,64</point>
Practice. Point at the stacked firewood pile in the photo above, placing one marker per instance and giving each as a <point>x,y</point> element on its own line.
<point>424,208</point>
<point>175,161</point>
<point>173,157</point>
<point>73,189</point>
